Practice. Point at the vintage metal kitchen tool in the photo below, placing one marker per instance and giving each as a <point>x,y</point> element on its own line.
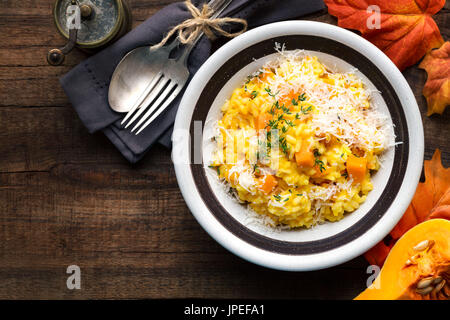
<point>160,85</point>
<point>101,23</point>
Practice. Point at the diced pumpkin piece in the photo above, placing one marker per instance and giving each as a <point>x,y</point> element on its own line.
<point>267,183</point>
<point>287,99</point>
<point>321,173</point>
<point>265,75</point>
<point>356,168</point>
<point>262,121</point>
<point>305,157</point>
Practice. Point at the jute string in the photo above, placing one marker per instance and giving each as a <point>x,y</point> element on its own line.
<point>201,21</point>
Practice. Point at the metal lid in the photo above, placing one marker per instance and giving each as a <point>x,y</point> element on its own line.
<point>100,20</point>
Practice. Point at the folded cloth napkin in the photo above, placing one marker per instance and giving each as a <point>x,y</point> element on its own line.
<point>86,85</point>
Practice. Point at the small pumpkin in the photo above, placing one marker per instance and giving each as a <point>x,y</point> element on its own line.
<point>417,267</point>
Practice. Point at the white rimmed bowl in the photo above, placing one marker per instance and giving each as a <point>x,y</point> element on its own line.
<point>327,244</point>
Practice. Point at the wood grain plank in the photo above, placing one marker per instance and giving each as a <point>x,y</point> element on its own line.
<point>81,209</point>
<point>153,248</point>
<point>37,139</point>
<point>68,197</point>
<point>163,275</point>
<point>36,56</point>
<point>32,73</point>
<point>32,92</point>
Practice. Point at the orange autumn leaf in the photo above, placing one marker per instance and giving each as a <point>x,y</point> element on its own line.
<point>442,212</point>
<point>406,30</point>
<point>431,201</point>
<point>437,87</point>
<point>442,208</point>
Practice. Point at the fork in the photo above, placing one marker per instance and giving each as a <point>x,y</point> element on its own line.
<point>168,82</point>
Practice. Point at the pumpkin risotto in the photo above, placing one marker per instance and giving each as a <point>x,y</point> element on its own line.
<point>299,143</point>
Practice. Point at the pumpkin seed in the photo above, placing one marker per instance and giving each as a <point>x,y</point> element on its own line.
<point>439,286</point>
<point>444,292</point>
<point>412,260</point>
<point>408,262</point>
<point>425,283</point>
<point>437,280</point>
<point>421,245</point>
<point>425,291</point>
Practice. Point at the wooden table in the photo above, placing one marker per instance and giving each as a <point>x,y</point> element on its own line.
<point>68,197</point>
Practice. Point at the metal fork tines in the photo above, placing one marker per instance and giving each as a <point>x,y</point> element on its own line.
<point>166,85</point>
<point>163,89</point>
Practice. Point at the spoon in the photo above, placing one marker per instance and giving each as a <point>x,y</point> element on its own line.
<point>132,76</point>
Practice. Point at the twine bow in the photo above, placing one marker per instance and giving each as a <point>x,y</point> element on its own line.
<point>201,21</point>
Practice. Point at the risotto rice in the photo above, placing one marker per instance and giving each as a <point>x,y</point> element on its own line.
<point>299,143</point>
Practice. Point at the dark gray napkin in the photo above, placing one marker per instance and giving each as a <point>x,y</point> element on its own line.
<point>86,85</point>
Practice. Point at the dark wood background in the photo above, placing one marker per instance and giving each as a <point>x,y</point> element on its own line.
<point>68,197</point>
